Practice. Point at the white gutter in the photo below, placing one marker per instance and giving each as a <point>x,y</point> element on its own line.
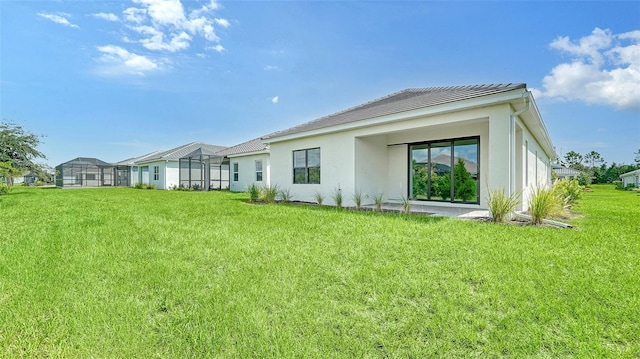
<point>512,142</point>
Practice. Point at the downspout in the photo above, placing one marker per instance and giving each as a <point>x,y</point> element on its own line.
<point>512,142</point>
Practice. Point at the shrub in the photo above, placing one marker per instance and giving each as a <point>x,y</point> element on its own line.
<point>618,184</point>
<point>285,195</point>
<point>270,193</point>
<point>357,198</point>
<point>570,191</point>
<point>4,188</point>
<point>140,185</point>
<point>544,203</point>
<point>254,192</point>
<point>196,187</point>
<point>501,205</point>
<point>319,198</point>
<point>337,197</point>
<point>584,178</point>
<point>151,186</point>
<point>630,186</point>
<point>378,200</point>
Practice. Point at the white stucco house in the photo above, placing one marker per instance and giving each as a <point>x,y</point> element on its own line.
<point>248,164</point>
<point>631,178</point>
<point>443,145</point>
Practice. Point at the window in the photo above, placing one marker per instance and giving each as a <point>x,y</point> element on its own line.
<point>446,170</point>
<point>235,172</point>
<point>156,173</point>
<point>306,166</point>
<point>91,176</point>
<point>259,171</point>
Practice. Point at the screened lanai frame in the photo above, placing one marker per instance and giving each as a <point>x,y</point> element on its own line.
<point>85,172</point>
<point>204,170</point>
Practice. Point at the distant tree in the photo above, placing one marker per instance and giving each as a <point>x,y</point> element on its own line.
<point>637,159</point>
<point>574,160</point>
<point>19,147</point>
<point>464,186</point>
<point>9,172</point>
<point>594,159</point>
<point>419,180</point>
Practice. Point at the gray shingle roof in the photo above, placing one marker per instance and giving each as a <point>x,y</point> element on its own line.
<point>405,100</point>
<point>254,145</point>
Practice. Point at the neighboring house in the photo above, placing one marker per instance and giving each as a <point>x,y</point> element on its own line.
<point>631,178</point>
<point>165,169</point>
<point>564,172</point>
<point>85,172</point>
<point>396,146</point>
<point>30,179</point>
<point>248,164</point>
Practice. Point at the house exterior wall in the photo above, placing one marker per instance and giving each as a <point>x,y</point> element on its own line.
<point>247,171</point>
<point>375,159</point>
<point>632,177</point>
<point>168,174</point>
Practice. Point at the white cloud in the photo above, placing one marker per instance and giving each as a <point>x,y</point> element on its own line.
<point>60,18</point>
<point>605,69</point>
<point>219,48</point>
<point>222,22</point>
<point>135,15</point>
<point>118,61</point>
<point>270,68</point>
<point>275,99</point>
<point>165,12</point>
<point>106,16</point>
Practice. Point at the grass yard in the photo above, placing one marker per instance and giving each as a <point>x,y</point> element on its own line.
<point>132,273</point>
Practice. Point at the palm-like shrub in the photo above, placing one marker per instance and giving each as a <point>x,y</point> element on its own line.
<point>544,203</point>
<point>285,195</point>
<point>501,205</point>
<point>254,192</point>
<point>571,191</point>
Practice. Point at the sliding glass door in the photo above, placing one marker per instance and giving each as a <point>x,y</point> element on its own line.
<point>446,170</point>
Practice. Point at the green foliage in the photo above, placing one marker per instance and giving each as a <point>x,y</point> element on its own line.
<point>618,185</point>
<point>464,185</point>
<point>254,192</point>
<point>9,172</point>
<point>630,186</point>
<point>420,180</point>
<point>319,198</point>
<point>140,185</point>
<point>285,195</point>
<point>569,190</point>
<point>151,186</point>
<point>269,193</point>
<point>544,203</point>
<point>501,205</point>
<point>4,188</point>
<point>584,178</point>
<point>442,186</point>
<point>19,147</point>
<point>378,200</point>
<point>574,160</point>
<point>337,197</point>
<point>357,198</point>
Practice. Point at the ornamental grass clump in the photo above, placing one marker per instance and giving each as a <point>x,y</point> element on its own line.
<point>319,198</point>
<point>269,193</point>
<point>406,204</point>
<point>337,197</point>
<point>254,192</point>
<point>285,195</point>
<point>501,205</point>
<point>357,198</point>
<point>544,203</point>
<point>378,201</point>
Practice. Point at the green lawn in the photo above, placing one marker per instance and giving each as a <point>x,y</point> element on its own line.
<point>137,273</point>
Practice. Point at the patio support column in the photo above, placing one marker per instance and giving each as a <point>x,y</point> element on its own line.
<point>501,144</point>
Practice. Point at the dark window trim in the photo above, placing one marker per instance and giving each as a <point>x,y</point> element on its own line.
<point>451,142</point>
<point>306,167</point>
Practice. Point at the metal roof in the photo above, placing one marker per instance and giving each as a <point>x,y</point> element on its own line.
<point>255,145</point>
<point>405,100</point>
<point>86,161</point>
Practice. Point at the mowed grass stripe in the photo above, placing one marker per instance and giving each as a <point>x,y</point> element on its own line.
<point>121,272</point>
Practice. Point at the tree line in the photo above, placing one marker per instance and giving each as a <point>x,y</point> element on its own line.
<point>19,152</point>
<point>595,168</point>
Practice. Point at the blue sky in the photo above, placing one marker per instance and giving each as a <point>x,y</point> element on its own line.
<point>117,79</point>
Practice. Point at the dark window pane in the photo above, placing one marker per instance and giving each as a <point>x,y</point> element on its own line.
<point>314,175</point>
<point>299,175</point>
<point>258,176</point>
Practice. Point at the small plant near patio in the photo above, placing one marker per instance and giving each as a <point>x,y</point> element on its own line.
<point>357,198</point>
<point>285,195</point>
<point>269,193</point>
<point>254,192</point>
<point>378,201</point>
<point>140,185</point>
<point>337,197</point>
<point>570,190</point>
<point>501,205</point>
<point>4,188</point>
<point>406,204</point>
<point>544,203</point>
<point>319,198</point>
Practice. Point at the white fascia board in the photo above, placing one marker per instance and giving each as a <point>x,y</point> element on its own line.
<point>407,115</point>
<point>533,121</point>
<point>629,174</point>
